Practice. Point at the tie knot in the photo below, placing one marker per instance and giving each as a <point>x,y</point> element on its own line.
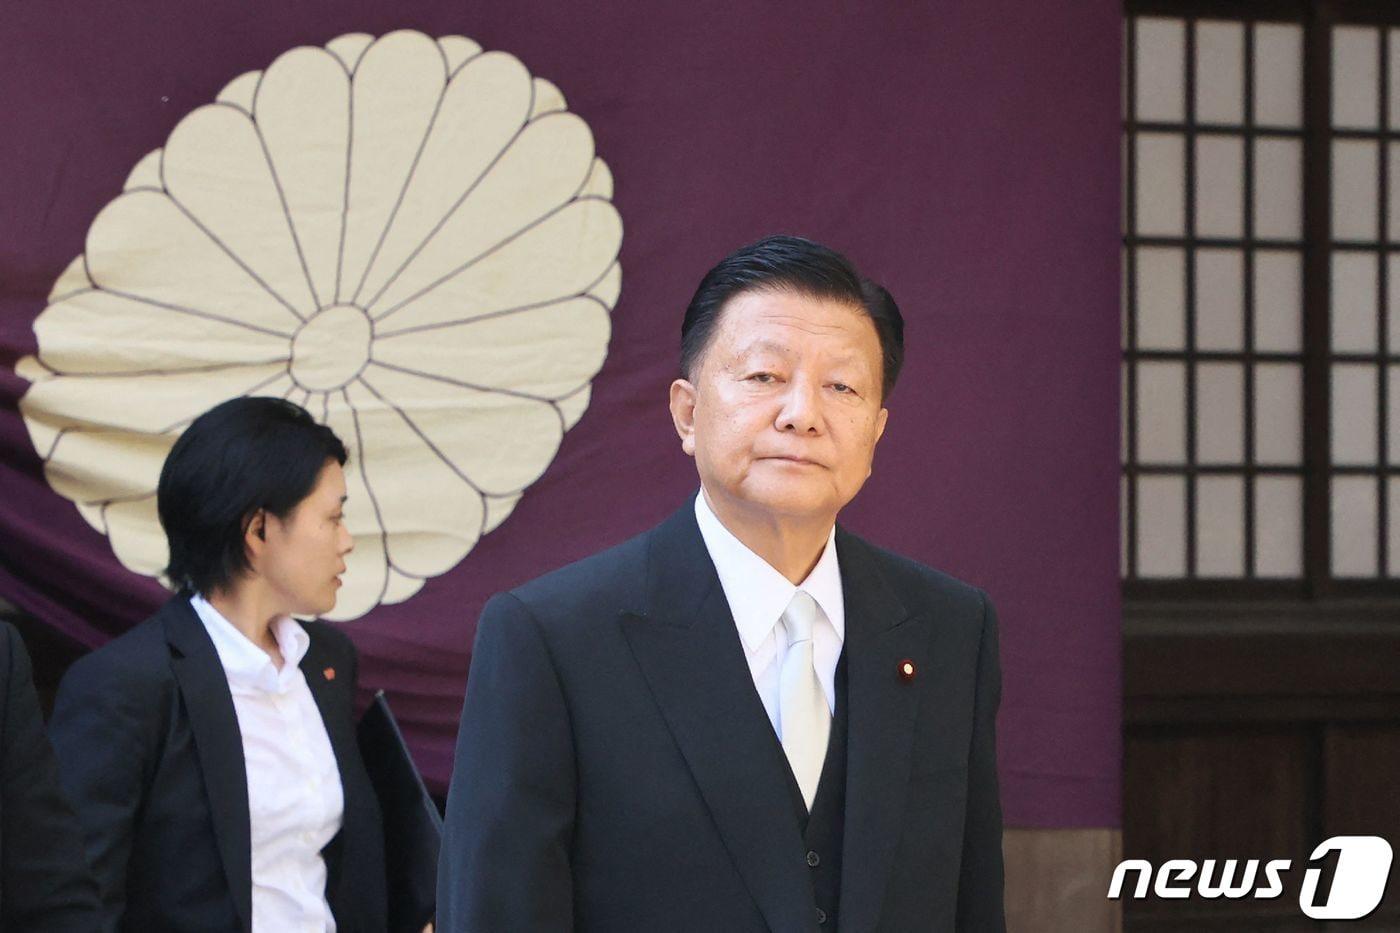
<point>799,617</point>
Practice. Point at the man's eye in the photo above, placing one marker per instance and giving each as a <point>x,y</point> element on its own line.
<point>763,377</point>
<point>841,387</point>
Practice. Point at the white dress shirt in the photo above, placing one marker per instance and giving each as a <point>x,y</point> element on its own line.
<point>295,799</point>
<point>758,594</point>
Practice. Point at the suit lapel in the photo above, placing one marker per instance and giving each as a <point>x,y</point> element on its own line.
<point>214,723</point>
<point>880,634</point>
<point>314,667</point>
<point>689,652</point>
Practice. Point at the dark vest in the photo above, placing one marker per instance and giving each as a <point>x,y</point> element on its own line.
<point>823,829</point>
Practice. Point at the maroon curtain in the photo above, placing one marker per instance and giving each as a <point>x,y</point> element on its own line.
<point>965,154</point>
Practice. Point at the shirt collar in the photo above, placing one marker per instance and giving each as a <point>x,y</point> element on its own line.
<point>757,593</point>
<point>244,663</point>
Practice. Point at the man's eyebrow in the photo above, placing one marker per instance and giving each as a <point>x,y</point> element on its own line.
<point>764,345</point>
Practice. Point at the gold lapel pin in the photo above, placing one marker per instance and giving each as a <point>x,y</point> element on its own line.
<point>329,673</point>
<point>906,670</point>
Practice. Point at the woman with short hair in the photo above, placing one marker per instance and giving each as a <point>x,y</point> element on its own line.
<point>210,751</point>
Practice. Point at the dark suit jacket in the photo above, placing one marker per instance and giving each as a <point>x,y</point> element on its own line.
<point>615,769</point>
<point>45,883</point>
<point>152,759</point>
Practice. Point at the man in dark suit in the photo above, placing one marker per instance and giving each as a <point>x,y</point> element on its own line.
<point>746,718</point>
<point>45,883</point>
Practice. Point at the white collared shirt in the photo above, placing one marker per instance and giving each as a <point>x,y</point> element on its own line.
<point>295,799</point>
<point>758,594</point>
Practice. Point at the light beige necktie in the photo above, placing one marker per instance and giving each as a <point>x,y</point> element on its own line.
<point>804,719</point>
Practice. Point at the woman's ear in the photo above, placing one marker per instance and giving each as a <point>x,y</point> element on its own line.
<point>255,536</point>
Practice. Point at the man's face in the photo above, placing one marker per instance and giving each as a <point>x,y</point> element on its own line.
<point>785,408</point>
<point>304,554</point>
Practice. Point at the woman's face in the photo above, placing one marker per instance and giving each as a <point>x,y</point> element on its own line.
<point>304,554</point>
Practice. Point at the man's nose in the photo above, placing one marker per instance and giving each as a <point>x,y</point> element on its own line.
<point>347,540</point>
<point>801,411</point>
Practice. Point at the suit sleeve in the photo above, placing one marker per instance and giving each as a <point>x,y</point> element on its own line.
<point>980,888</point>
<point>510,809</point>
<point>43,873</point>
<point>100,732</point>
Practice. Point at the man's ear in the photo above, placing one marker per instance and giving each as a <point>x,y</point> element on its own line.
<point>683,413</point>
<point>880,421</point>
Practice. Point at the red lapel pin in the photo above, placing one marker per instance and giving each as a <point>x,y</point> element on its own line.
<point>906,670</point>
<point>329,673</point>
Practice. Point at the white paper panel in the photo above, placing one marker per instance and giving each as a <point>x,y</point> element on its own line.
<point>1219,413</point>
<point>1220,526</point>
<point>1219,299</point>
<point>1354,310</point>
<point>1123,298</point>
<point>1161,184</point>
<point>1354,506</point>
<point>1278,189</point>
<point>1355,181</point>
<point>1161,298</point>
<point>1354,403</point>
<point>1392,413</point>
<point>1161,412</point>
<point>1392,223</point>
<point>1394,91</point>
<point>1392,527</point>
<point>1123,526</point>
<point>1392,290</point>
<point>1123,412</point>
<point>1123,72</point>
<point>1278,301</point>
<point>1123,184</point>
<point>1278,74</point>
<point>1278,526</point>
<point>1219,186</point>
<point>1278,414</point>
<point>1355,77</point>
<point>1219,72</point>
<point>1161,526</point>
<point>1161,64</point>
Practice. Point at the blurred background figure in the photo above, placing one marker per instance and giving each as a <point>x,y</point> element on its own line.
<point>45,884</point>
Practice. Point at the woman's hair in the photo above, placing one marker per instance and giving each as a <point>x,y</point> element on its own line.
<point>238,457</point>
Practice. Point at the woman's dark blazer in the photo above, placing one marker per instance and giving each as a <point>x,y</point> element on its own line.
<point>151,757</point>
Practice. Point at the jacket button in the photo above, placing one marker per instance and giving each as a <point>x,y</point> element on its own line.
<point>821,916</point>
<point>813,859</point>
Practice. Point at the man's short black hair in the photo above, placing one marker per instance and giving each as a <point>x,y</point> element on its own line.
<point>791,263</point>
<point>238,457</point>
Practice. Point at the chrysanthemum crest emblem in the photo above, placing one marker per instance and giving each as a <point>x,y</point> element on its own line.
<point>410,237</point>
